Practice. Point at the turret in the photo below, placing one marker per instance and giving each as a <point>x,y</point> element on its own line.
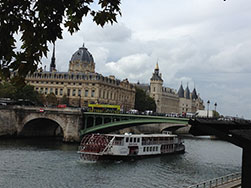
<point>187,93</point>
<point>156,83</point>
<point>181,91</point>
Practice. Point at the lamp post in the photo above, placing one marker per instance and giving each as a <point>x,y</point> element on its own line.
<point>208,102</point>
<point>215,105</point>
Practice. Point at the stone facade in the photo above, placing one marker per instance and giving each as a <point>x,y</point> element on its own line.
<point>168,100</point>
<point>82,85</point>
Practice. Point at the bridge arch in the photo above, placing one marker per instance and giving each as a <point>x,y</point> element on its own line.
<point>171,128</point>
<point>39,125</point>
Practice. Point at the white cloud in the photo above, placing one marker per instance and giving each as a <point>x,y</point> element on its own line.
<point>203,42</point>
<point>135,67</point>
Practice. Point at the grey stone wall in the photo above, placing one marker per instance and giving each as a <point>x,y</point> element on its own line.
<point>8,123</point>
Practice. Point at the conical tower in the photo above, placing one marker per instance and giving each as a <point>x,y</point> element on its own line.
<point>53,60</point>
<point>181,91</point>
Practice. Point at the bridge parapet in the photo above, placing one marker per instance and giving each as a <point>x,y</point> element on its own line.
<point>48,109</point>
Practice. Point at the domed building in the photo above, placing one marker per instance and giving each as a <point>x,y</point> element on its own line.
<point>82,62</point>
<point>81,84</point>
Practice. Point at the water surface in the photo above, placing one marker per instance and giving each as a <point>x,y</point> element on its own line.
<point>50,163</point>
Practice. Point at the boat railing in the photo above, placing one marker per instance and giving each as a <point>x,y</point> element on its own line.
<point>108,145</point>
<point>81,148</point>
<point>214,183</point>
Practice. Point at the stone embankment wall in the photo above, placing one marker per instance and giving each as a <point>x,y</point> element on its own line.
<point>8,122</point>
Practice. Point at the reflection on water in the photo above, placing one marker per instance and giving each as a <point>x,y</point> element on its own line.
<point>47,162</point>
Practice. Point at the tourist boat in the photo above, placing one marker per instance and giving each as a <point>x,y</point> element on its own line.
<point>124,146</point>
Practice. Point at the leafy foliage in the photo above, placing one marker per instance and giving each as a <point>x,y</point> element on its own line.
<point>64,100</point>
<point>8,90</point>
<point>51,99</point>
<point>40,22</point>
<point>143,102</point>
<point>216,114</point>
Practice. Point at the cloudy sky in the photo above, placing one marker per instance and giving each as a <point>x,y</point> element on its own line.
<point>202,43</point>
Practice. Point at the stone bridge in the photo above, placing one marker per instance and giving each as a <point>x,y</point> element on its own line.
<point>71,123</point>
<point>35,121</point>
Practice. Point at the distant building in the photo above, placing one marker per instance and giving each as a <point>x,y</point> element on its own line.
<point>81,84</point>
<point>168,100</point>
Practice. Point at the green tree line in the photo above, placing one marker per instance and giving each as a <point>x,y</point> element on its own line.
<point>144,102</point>
<point>27,92</point>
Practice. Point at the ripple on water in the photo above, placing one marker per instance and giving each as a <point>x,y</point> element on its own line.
<point>24,164</point>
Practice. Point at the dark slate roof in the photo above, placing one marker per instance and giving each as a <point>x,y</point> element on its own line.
<point>156,76</point>
<point>194,94</point>
<point>187,91</point>
<point>82,55</point>
<point>181,92</point>
<point>53,60</point>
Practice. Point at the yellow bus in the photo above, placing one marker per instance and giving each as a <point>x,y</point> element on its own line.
<point>104,108</point>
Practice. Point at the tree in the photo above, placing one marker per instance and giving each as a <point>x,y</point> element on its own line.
<point>144,102</point>
<point>8,90</point>
<point>40,22</point>
<point>51,99</point>
<point>216,114</point>
<point>64,100</point>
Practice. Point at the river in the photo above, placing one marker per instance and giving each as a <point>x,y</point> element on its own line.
<point>47,162</point>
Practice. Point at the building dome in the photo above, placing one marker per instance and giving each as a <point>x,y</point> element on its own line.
<point>82,61</point>
<point>82,55</point>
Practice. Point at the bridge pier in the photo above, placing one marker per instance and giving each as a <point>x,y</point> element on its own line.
<point>246,168</point>
<point>72,127</point>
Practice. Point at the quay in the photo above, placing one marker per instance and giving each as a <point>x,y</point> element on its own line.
<point>228,181</point>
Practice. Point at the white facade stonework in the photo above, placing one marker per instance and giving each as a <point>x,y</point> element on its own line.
<point>168,100</point>
<point>82,85</point>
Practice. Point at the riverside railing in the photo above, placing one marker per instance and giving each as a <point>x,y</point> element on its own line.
<point>214,183</point>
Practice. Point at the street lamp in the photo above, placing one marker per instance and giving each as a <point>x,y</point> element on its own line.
<point>208,102</point>
<point>215,105</point>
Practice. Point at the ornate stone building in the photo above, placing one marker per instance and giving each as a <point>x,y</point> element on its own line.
<point>168,100</point>
<point>81,84</point>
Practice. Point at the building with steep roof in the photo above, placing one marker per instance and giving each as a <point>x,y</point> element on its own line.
<point>181,92</point>
<point>168,100</point>
<point>81,84</point>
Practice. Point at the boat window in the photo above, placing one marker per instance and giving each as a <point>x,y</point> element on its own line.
<point>157,148</point>
<point>127,139</point>
<point>131,139</point>
<point>153,148</point>
<point>147,149</point>
<point>144,149</point>
<point>150,148</point>
<point>134,140</point>
<point>138,140</point>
